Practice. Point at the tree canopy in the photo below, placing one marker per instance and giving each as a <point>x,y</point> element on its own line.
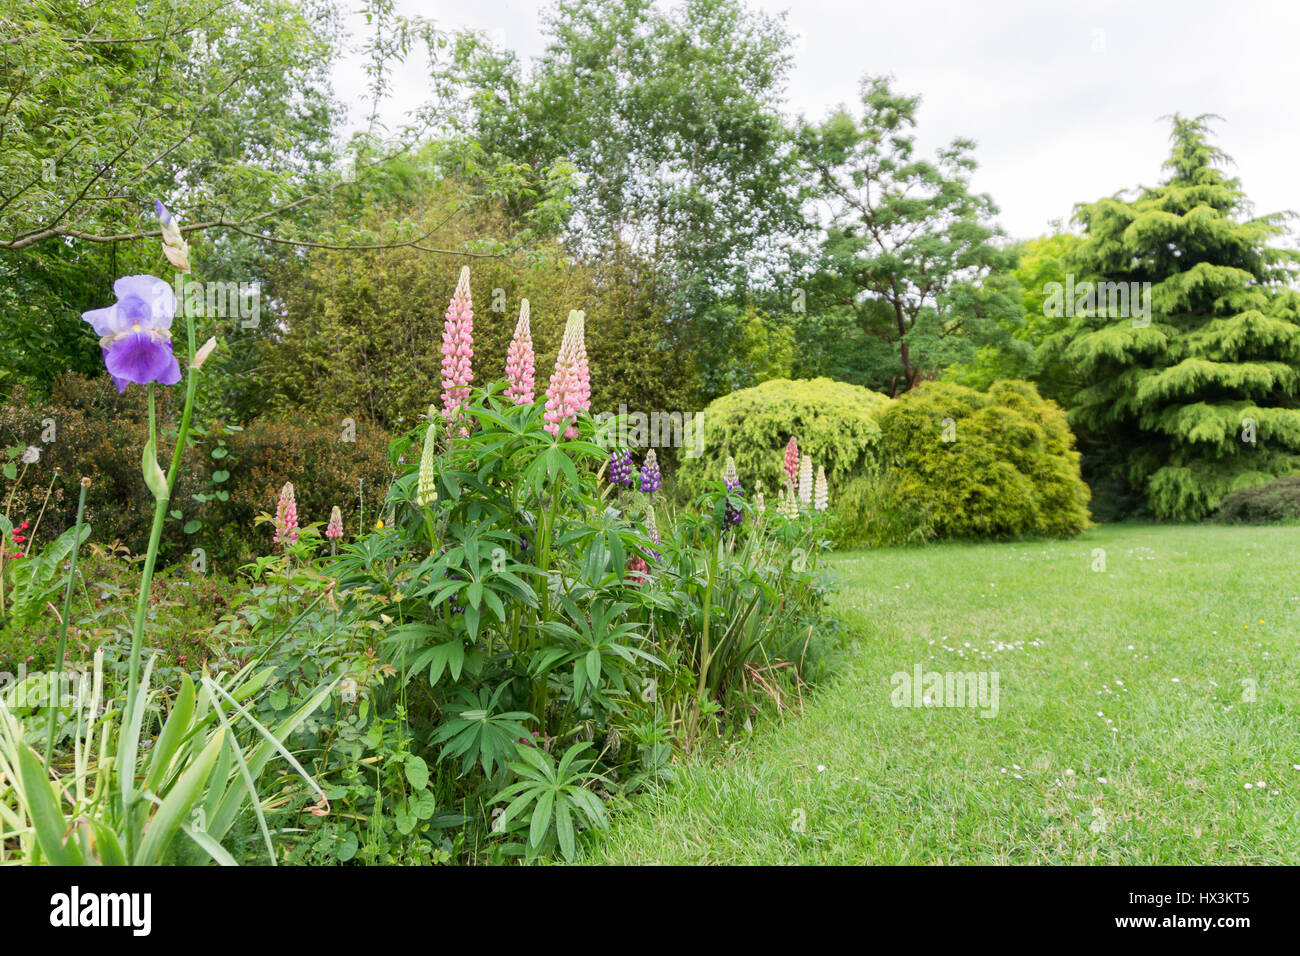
<point>909,254</point>
<point>1201,396</point>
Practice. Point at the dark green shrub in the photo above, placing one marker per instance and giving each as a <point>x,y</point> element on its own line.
<point>87,428</point>
<point>1273,502</point>
<point>325,471</point>
<point>832,421</point>
<point>999,464</point>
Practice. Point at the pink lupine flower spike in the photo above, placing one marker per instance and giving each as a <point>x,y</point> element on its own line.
<point>458,350</point>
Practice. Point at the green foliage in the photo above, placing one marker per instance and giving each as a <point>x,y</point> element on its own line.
<point>832,421</point>
<point>997,464</point>
<point>1274,502</point>
<point>128,804</point>
<point>32,580</point>
<point>555,797</point>
<point>671,115</point>
<point>909,257</point>
<point>229,475</point>
<point>652,121</point>
<point>755,346</point>
<point>370,323</point>
<point>513,627</point>
<point>1039,262</point>
<point>1204,398</point>
<point>867,514</point>
<point>104,107</point>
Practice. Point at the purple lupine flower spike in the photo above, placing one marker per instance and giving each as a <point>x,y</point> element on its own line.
<point>651,478</point>
<point>135,332</point>
<point>620,467</point>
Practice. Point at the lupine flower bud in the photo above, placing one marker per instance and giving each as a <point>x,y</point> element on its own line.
<point>652,531</point>
<point>335,527</point>
<point>580,362</point>
<point>286,516</point>
<point>805,480</point>
<point>636,571</point>
<point>821,497</point>
<point>520,361</point>
<point>760,503</point>
<point>729,476</point>
<point>457,349</point>
<point>620,467</point>
<point>651,478</point>
<point>791,460</point>
<point>787,507</point>
<point>426,491</point>
<point>731,515</point>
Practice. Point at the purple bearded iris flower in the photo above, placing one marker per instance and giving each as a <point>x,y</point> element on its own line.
<point>135,332</point>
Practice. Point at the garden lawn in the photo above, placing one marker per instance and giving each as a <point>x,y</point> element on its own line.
<point>1125,732</point>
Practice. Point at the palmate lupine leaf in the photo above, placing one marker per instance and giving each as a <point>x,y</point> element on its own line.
<point>554,792</point>
<point>475,733</point>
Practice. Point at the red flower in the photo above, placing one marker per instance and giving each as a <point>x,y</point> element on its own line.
<point>636,572</point>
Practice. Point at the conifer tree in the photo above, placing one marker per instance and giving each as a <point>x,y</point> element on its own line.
<point>1196,391</point>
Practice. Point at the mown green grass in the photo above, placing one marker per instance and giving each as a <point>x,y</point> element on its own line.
<point>1182,616</point>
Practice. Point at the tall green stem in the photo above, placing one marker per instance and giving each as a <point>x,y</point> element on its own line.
<point>705,650</point>
<point>544,566</point>
<point>708,617</point>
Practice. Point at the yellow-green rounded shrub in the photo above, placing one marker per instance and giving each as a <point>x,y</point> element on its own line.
<point>834,422</point>
<point>1000,463</point>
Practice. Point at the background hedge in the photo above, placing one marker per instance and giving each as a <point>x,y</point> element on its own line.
<point>100,434</point>
<point>1273,502</point>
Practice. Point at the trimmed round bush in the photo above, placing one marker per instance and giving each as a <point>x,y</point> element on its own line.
<point>1274,502</point>
<point>834,422</point>
<point>1000,463</point>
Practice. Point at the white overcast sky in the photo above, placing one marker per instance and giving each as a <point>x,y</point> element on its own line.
<point>1063,99</point>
